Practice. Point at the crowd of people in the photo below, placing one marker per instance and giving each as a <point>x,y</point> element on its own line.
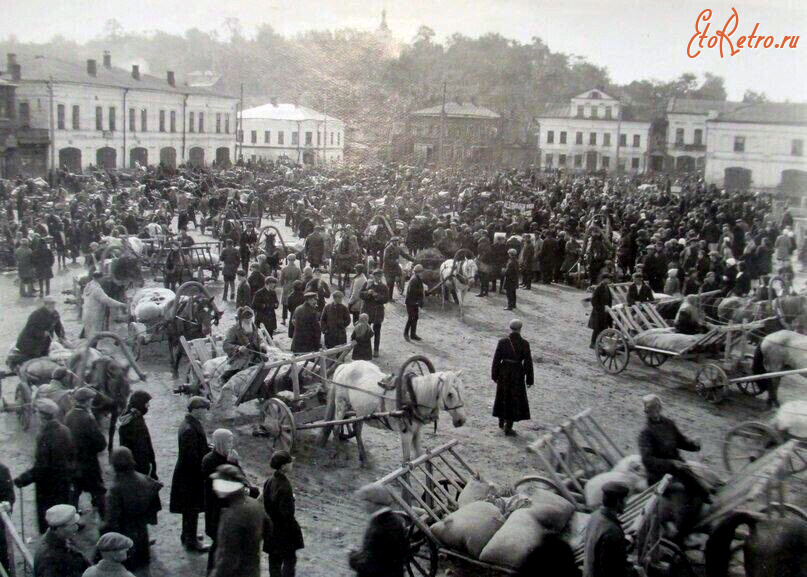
<point>521,227</point>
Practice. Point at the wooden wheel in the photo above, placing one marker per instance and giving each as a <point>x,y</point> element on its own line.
<point>750,388</point>
<point>24,406</point>
<point>711,382</point>
<point>746,443</point>
<point>612,351</point>
<point>278,423</point>
<point>421,552</point>
<point>651,358</point>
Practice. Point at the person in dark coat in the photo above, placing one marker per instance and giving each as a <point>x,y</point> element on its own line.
<point>414,296</point>
<point>383,550</point>
<point>307,329</point>
<point>511,279</point>
<point>243,292</point>
<point>553,556</point>
<point>88,441</point>
<point>265,303</point>
<point>255,279</point>
<point>133,503</point>
<point>606,549</point>
<point>42,325</point>
<point>375,294</point>
<point>25,268</point>
<point>248,239</point>
<point>286,537</point>
<point>498,257</point>
<point>56,556</point>
<point>548,257</point>
<point>315,247</point>
<point>319,286</point>
<point>42,260</point>
<point>363,335</point>
<point>639,291</point>
<point>241,526</point>
<point>54,463</point>
<point>135,436</point>
<point>7,495</point>
<point>335,320</point>
<point>601,298</point>
<point>296,298</point>
<point>188,483</point>
<point>230,259</point>
<point>525,260</point>
<point>511,370</point>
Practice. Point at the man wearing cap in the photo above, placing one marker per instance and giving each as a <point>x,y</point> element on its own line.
<point>315,247</point>
<point>511,279</point>
<point>242,344</point>
<point>655,268</point>
<point>54,462</point>
<point>40,328</point>
<point>319,286</point>
<point>392,266</point>
<point>384,547</point>
<point>89,441</point>
<point>188,482</point>
<point>307,328</point>
<point>265,303</point>
<point>286,537</point>
<point>605,548</point>
<point>248,239</point>
<point>599,320</point>
<point>374,295</point>
<point>639,291</point>
<point>114,550</point>
<point>335,320</point>
<point>415,293</point>
<point>241,526</point>
<point>511,370</point>
<point>230,259</point>
<point>56,555</point>
<point>288,276</point>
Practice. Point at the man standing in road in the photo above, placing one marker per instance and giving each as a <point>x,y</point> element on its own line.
<point>89,441</point>
<point>374,295</point>
<point>511,279</point>
<point>392,265</point>
<point>307,328</point>
<point>414,300</point>
<point>512,372</point>
<point>230,259</point>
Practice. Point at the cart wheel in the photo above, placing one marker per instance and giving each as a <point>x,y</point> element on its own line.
<point>24,406</point>
<point>746,443</point>
<point>612,350</point>
<point>651,358</point>
<point>278,423</point>
<point>419,365</point>
<point>750,388</point>
<point>711,382</point>
<point>421,552</point>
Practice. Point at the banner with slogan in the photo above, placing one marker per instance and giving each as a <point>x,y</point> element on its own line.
<point>525,207</point>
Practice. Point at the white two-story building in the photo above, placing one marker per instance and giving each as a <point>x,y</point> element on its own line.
<point>686,131</point>
<point>758,146</point>
<point>277,130</point>
<point>593,131</point>
<point>113,118</point>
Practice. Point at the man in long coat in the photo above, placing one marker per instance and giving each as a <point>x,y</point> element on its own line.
<point>606,549</point>
<point>601,298</point>
<point>42,324</point>
<point>286,537</point>
<point>511,370</point>
<point>54,462</point>
<point>375,294</point>
<point>89,441</point>
<point>23,256</point>
<point>335,320</point>
<point>290,273</point>
<point>307,328</point>
<point>265,302</point>
<point>134,433</point>
<point>188,483</point>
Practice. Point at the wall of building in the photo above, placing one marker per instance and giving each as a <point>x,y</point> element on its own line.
<point>689,123</point>
<point>118,137</point>
<point>262,140</point>
<point>632,158</point>
<point>768,152</point>
<point>465,139</point>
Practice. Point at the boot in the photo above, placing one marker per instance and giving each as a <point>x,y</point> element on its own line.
<point>375,353</point>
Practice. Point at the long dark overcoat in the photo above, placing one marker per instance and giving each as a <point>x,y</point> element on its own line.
<point>307,329</point>
<point>134,435</point>
<point>278,500</point>
<point>88,441</point>
<point>511,370</point>
<point>375,295</point>
<point>600,319</point>
<point>133,502</point>
<point>188,482</point>
<point>238,544</point>
<point>383,549</point>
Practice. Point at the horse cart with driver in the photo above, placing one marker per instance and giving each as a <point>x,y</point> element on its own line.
<point>345,256</point>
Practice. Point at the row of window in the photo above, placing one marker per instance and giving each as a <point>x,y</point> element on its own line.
<point>469,131</point>
<point>796,145</point>
<point>594,112</point>
<point>605,161</point>
<point>166,122</point>
<point>295,137</point>
<point>592,138</point>
<point>679,137</point>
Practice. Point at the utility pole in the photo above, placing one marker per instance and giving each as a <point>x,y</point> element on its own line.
<point>325,132</point>
<point>239,132</point>
<point>442,127</point>
<point>52,133</point>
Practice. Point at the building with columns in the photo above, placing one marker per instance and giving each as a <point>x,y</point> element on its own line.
<point>593,131</point>
<point>303,135</point>
<point>113,118</point>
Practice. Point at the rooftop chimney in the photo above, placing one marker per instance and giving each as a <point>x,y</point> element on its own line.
<point>169,76</point>
<point>92,67</point>
<point>107,59</point>
<point>135,71</point>
<point>11,60</point>
<point>16,73</point>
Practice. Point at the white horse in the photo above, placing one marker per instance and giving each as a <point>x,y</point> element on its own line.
<point>457,277</point>
<point>356,388</point>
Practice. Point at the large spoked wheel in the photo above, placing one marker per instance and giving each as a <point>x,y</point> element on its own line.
<point>278,424</point>
<point>746,443</point>
<point>750,388</point>
<point>612,350</point>
<point>652,358</point>
<point>421,552</point>
<point>24,406</point>
<point>711,382</point>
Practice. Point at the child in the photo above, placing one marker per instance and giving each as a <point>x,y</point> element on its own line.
<point>363,335</point>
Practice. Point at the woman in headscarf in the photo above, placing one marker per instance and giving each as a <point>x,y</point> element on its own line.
<point>134,433</point>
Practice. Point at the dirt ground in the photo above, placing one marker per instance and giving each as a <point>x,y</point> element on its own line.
<point>567,380</point>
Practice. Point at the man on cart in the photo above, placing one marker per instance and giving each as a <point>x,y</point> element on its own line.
<point>243,344</point>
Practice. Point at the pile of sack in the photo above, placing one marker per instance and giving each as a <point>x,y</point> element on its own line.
<point>151,304</point>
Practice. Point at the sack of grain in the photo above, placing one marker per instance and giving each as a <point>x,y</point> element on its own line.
<point>475,490</point>
<point>146,311</point>
<point>631,464</point>
<point>469,528</point>
<point>512,543</point>
<point>595,484</point>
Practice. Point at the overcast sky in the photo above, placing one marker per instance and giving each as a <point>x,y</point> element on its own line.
<point>634,39</point>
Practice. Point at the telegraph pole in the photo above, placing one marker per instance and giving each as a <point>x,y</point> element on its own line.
<point>239,132</point>
<point>442,126</point>
<point>325,132</point>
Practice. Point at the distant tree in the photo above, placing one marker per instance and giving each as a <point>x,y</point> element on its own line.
<point>112,28</point>
<point>712,88</point>
<point>753,96</point>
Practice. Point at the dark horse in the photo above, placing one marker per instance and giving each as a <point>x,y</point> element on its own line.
<point>193,318</point>
<point>774,547</point>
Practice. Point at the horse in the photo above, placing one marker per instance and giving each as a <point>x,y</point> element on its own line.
<point>356,387</point>
<point>775,547</point>
<point>778,351</point>
<point>457,277</point>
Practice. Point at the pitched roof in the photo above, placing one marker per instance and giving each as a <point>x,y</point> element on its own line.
<point>45,68</point>
<point>285,111</point>
<point>694,106</point>
<point>467,109</point>
<point>555,110</point>
<point>564,110</point>
<point>587,94</point>
<point>767,113</point>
